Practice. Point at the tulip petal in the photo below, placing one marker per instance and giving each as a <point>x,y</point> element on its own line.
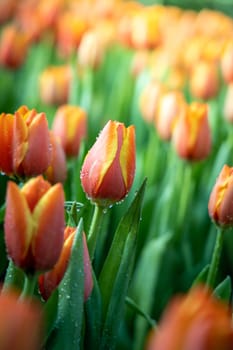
<point>18,224</point>
<point>127,156</point>
<point>20,144</point>
<point>48,240</point>
<point>34,189</point>
<point>6,137</point>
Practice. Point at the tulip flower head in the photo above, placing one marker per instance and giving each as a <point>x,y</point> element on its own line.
<point>108,170</point>
<point>192,135</point>
<point>51,279</point>
<point>34,224</point>
<point>195,321</point>
<point>220,201</point>
<point>70,123</point>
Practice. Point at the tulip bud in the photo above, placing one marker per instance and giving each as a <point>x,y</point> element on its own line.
<point>54,85</point>
<point>221,197</point>
<point>57,170</point>
<point>51,279</point>
<point>195,321</point>
<point>34,224</point>
<point>108,170</point>
<point>192,135</point>
<point>91,50</point>
<point>13,47</point>
<point>6,145</point>
<point>227,63</point>
<point>31,143</point>
<point>149,100</point>
<point>21,323</point>
<point>69,124</point>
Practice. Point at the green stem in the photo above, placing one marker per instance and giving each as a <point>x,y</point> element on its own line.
<point>29,285</point>
<point>215,259</point>
<point>94,229</point>
<point>134,306</point>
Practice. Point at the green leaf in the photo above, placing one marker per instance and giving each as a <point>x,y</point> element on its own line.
<point>128,226</point>
<point>202,276</point>
<point>145,281</point>
<point>223,290</point>
<point>50,313</point>
<point>14,277</point>
<point>69,322</point>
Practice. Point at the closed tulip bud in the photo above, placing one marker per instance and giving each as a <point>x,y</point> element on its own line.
<point>13,47</point>
<point>6,144</point>
<point>227,63</point>
<point>204,81</point>
<point>70,124</point>
<point>108,170</point>
<point>192,135</point>
<point>34,224</point>
<point>31,142</point>
<point>221,197</point>
<point>91,50</point>
<point>149,100</point>
<point>57,170</point>
<point>21,323</point>
<point>228,105</point>
<point>195,321</point>
<point>51,279</point>
<point>54,85</point>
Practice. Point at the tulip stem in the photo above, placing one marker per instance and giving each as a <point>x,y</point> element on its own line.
<point>94,229</point>
<point>215,259</point>
<point>29,285</point>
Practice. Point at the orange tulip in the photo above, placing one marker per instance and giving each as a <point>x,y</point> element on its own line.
<point>34,224</point>
<point>227,63</point>
<point>21,323</point>
<point>57,170</point>
<point>31,143</point>
<point>192,135</point>
<point>70,123</point>
<point>54,85</point>
<point>6,145</point>
<point>13,47</point>
<point>195,321</point>
<point>51,279</point>
<point>91,50</point>
<point>108,170</point>
<point>221,197</point>
<point>7,8</point>
<point>149,100</point>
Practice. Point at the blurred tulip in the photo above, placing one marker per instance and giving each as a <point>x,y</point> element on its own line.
<point>6,144</point>
<point>21,323</point>
<point>34,224</point>
<point>31,143</point>
<point>51,279</point>
<point>221,198</point>
<point>70,29</point>
<point>7,8</point>
<point>204,81</point>
<point>227,63</point>
<point>170,107</point>
<point>149,100</point>
<point>195,321</point>
<point>13,47</point>
<point>70,124</point>
<point>192,135</point>
<point>54,84</point>
<point>228,105</point>
<point>108,170</point>
<point>91,50</point>
<point>57,170</point>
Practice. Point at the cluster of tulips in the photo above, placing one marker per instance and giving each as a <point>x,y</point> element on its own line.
<point>116,175</point>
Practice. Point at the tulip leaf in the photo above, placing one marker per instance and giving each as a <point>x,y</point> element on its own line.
<point>223,290</point>
<point>127,226</point>
<point>14,277</point>
<point>93,310</point>
<point>50,313</point>
<point>69,322</point>
<point>202,276</point>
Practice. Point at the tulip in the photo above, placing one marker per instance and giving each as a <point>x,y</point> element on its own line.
<point>108,170</point>
<point>31,143</point>
<point>21,323</point>
<point>51,279</point>
<point>227,63</point>
<point>192,135</point>
<point>149,100</point>
<point>13,47</point>
<point>91,50</point>
<point>221,197</point>
<point>34,224</point>
<point>6,145</point>
<point>54,85</point>
<point>69,125</point>
<point>195,321</point>
<point>7,8</point>
<point>57,170</point>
